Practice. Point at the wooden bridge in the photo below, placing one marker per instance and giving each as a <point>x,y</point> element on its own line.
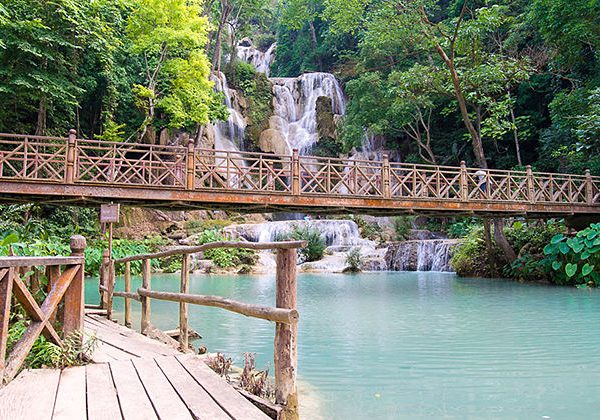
<point>87,172</point>
<point>131,376</point>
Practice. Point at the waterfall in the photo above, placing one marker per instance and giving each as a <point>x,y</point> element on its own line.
<point>295,104</point>
<point>229,135</point>
<point>337,233</point>
<point>260,60</point>
<point>420,255</point>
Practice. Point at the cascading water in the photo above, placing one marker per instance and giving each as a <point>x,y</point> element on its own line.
<point>420,255</point>
<point>295,104</point>
<point>229,135</point>
<point>260,60</point>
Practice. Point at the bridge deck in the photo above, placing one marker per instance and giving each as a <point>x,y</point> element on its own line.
<point>139,379</point>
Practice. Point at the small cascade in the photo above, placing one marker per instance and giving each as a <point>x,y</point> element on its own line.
<point>260,60</point>
<point>229,135</point>
<point>337,233</point>
<point>295,105</point>
<point>420,255</point>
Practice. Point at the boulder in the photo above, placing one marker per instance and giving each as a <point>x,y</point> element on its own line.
<point>325,118</point>
<point>272,141</point>
<point>278,123</point>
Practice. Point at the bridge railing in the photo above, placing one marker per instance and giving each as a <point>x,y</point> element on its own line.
<point>63,285</point>
<point>284,314</point>
<point>92,162</point>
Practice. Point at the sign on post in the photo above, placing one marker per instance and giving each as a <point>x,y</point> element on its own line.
<point>109,213</point>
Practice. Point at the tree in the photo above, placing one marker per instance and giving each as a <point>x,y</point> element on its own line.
<point>170,35</point>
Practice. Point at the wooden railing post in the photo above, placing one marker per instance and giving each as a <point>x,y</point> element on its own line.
<point>71,151</point>
<point>295,172</point>
<point>105,281</point>
<point>589,188</point>
<point>286,346</point>
<point>146,281</point>
<point>385,177</point>
<point>530,185</point>
<point>6,283</point>
<point>464,185</point>
<point>74,296</point>
<point>183,307</point>
<point>190,165</point>
<point>127,278</point>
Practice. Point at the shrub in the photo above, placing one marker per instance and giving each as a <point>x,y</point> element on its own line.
<point>354,260</point>
<point>226,257</point>
<point>402,227</point>
<point>575,260</point>
<point>315,243</point>
<point>466,258</point>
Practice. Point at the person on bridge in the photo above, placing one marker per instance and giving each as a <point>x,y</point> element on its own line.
<point>481,174</point>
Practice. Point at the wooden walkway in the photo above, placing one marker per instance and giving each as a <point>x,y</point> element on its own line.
<point>134,378</point>
<point>88,172</point>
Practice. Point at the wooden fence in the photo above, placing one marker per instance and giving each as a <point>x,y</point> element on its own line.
<point>101,163</point>
<point>64,285</point>
<point>284,314</point>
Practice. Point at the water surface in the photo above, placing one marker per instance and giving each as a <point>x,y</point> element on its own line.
<point>415,345</point>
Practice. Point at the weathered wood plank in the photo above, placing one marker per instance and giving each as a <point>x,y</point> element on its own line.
<point>197,400</point>
<point>46,261</point>
<point>70,397</point>
<point>223,393</point>
<point>134,402</point>
<point>30,396</point>
<point>166,401</point>
<point>102,401</point>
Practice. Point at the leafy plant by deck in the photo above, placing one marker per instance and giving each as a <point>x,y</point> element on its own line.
<point>575,260</point>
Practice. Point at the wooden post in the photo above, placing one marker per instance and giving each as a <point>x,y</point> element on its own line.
<point>183,307</point>
<point>464,185</point>
<point>108,280</point>
<point>70,164</point>
<point>385,177</point>
<point>190,165</point>
<point>286,347</point>
<point>52,274</point>
<point>589,188</point>
<point>127,278</point>
<point>146,279</point>
<point>74,296</point>
<point>6,282</point>
<point>295,172</point>
<point>530,186</point>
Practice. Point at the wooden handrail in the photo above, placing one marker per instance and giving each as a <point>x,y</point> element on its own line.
<point>212,245</point>
<point>286,316</point>
<point>36,261</point>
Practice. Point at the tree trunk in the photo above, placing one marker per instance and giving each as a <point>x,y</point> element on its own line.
<point>515,132</point>
<point>502,242</point>
<point>489,248</point>
<point>313,38</point>
<point>40,127</point>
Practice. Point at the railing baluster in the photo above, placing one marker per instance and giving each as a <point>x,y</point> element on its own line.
<point>190,165</point>
<point>589,188</point>
<point>70,156</point>
<point>295,172</point>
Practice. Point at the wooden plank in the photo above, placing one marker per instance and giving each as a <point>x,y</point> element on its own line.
<point>30,396</point>
<point>29,261</point>
<point>166,402</point>
<point>70,397</point>
<point>102,401</point>
<point>224,394</point>
<point>104,353</point>
<point>134,402</point>
<point>197,400</point>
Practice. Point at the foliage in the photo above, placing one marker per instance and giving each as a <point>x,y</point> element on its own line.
<point>460,228</point>
<point>45,354</point>
<point>315,243</point>
<point>220,364</point>
<point>467,259</point>
<point>226,257</point>
<point>402,227</point>
<point>575,260</point>
<point>354,260</point>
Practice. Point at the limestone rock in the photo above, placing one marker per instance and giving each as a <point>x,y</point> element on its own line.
<point>272,141</point>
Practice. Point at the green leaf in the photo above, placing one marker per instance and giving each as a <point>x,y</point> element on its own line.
<point>557,238</point>
<point>585,255</point>
<point>564,248</point>
<point>550,249</point>
<point>570,269</point>
<point>587,269</point>
<point>556,265</point>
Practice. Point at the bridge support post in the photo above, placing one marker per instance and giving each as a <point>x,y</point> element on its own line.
<point>70,163</point>
<point>190,164</point>
<point>295,172</point>
<point>530,186</point>
<point>464,186</point>
<point>589,188</point>
<point>385,177</point>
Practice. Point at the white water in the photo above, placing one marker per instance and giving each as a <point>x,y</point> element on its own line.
<point>260,60</point>
<point>420,255</point>
<point>295,103</point>
<point>229,134</point>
